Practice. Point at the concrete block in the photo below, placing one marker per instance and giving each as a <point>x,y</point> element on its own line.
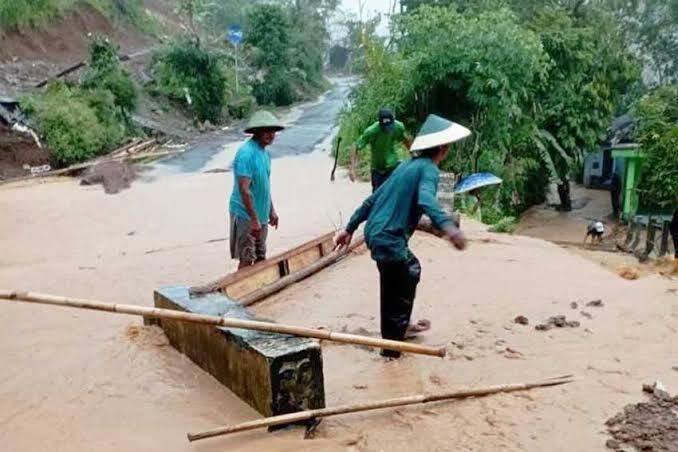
<point>273,373</point>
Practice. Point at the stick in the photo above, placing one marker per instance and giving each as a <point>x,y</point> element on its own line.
<point>389,403</point>
<point>336,159</point>
<point>68,70</point>
<point>283,282</point>
<point>170,314</point>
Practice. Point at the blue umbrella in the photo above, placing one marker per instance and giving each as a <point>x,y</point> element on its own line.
<point>476,180</point>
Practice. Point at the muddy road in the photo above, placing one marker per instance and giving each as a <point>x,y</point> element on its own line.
<point>307,126</point>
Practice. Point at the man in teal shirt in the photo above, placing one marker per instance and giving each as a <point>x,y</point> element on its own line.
<point>251,207</point>
<point>383,137</point>
<point>394,211</point>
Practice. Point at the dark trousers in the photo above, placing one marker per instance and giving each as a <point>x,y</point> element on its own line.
<point>379,177</point>
<point>398,286</point>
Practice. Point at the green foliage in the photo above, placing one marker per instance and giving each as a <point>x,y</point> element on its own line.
<point>26,13</point>
<point>506,225</point>
<point>186,71</point>
<point>286,46</point>
<point>537,84</point>
<point>657,113</point>
<point>105,72</point>
<point>31,13</point>
<point>267,35</point>
<point>77,124</point>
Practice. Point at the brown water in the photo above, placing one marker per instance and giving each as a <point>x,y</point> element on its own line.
<point>81,381</point>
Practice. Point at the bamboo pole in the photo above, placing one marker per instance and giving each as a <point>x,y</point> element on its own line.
<point>170,314</point>
<point>376,405</point>
<point>297,276</point>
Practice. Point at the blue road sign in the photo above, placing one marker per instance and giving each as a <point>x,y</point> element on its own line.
<point>235,34</point>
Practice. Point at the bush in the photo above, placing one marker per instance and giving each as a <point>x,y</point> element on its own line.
<point>276,89</point>
<point>31,13</point>
<point>27,13</point>
<point>658,135</point>
<point>76,124</point>
<point>242,107</point>
<point>105,72</point>
<point>505,225</point>
<point>186,71</point>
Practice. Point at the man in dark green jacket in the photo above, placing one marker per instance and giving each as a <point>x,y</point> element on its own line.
<point>394,211</point>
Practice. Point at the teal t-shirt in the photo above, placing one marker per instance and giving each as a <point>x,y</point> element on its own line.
<point>252,161</point>
<point>384,145</point>
<point>394,210</point>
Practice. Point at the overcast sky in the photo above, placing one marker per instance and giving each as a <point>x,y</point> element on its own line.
<point>371,8</point>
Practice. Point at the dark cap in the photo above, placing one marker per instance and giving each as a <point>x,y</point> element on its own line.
<point>386,119</point>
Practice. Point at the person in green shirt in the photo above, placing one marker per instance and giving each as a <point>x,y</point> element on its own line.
<point>383,137</point>
<point>393,212</point>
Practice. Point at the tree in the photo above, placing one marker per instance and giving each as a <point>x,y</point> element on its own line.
<point>589,73</point>
<point>657,133</point>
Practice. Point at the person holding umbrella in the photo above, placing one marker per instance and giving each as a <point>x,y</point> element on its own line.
<point>383,137</point>
<point>471,185</point>
<point>393,212</point>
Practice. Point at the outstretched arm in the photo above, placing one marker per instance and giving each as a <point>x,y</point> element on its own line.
<point>343,239</point>
<point>439,220</point>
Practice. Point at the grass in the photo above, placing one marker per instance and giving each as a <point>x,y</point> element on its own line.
<point>19,14</point>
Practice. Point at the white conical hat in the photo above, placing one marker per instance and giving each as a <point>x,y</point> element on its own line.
<point>437,131</point>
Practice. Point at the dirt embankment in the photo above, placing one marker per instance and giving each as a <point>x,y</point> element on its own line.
<point>28,56</point>
<point>17,150</point>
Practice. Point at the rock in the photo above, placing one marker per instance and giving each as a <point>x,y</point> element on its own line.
<point>558,321</point>
<point>586,314</point>
<point>613,444</point>
<point>572,324</point>
<point>574,305</point>
<point>543,327</point>
<point>521,319</point>
<point>596,303</point>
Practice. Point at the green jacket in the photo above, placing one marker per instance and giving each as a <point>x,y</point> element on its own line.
<point>394,210</point>
<point>383,145</point>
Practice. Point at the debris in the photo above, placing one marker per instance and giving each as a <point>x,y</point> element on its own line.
<point>559,321</point>
<point>574,305</point>
<point>613,444</point>
<point>521,319</point>
<point>658,390</point>
<point>511,353</point>
<point>651,425</point>
<point>586,314</point>
<point>436,380</point>
<point>628,273</point>
<point>113,175</point>
<point>359,386</point>
<point>596,303</point>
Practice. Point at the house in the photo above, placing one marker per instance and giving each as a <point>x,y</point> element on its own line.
<point>599,166</point>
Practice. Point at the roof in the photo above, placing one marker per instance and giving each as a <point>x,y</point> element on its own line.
<point>621,131</point>
<point>8,101</point>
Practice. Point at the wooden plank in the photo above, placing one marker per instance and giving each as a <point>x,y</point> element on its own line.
<point>303,259</point>
<point>273,261</point>
<point>251,279</point>
<point>264,277</point>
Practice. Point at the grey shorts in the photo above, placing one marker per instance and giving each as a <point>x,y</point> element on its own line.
<point>244,247</point>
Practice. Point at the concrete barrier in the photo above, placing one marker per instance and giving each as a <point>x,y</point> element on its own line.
<point>273,373</point>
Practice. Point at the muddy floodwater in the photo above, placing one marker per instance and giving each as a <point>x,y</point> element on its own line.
<point>88,381</point>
